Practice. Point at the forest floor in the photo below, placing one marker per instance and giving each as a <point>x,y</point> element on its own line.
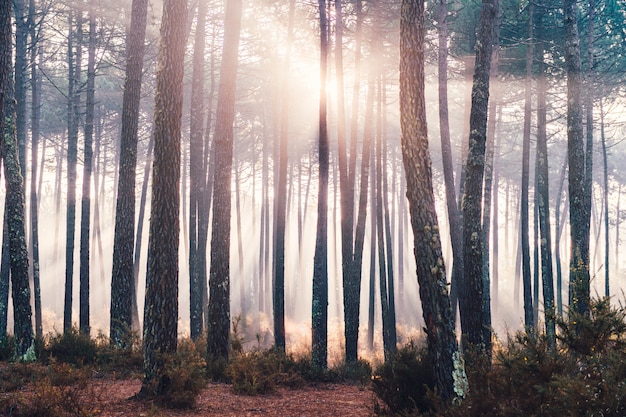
<point>107,396</point>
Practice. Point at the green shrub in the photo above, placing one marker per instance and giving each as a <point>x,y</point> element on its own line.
<point>261,371</point>
<point>7,347</point>
<point>118,361</point>
<point>584,376</point>
<point>72,347</point>
<point>359,371</point>
<point>181,378</point>
<point>403,382</point>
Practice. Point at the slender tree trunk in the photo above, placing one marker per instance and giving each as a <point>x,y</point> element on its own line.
<point>495,237</point>
<point>35,84</point>
<point>281,197</point>
<point>350,303</point>
<point>391,293</point>
<point>320,263</point>
<point>454,220</point>
<point>605,178</point>
<point>85,217</point>
<point>139,233</point>
<point>197,176</point>
<point>543,187</point>
<point>579,294</point>
<point>5,275</point>
<point>524,227</point>
<point>388,344</point>
<point>124,312</point>
<point>73,103</point>
<point>618,215</point>
<point>535,241</point>
<point>372,279</point>
<point>470,302</point>
<point>240,264</point>
<point>219,280</point>
<point>557,240</point>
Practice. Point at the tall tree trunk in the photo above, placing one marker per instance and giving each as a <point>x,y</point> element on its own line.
<point>124,275</point>
<point>219,276</point>
<point>436,308</point>
<point>278,291</point>
<point>35,88</point>
<point>495,237</point>
<point>85,216</point>
<point>372,279</point>
<point>73,103</point>
<point>454,220</point>
<point>605,183</point>
<point>23,328</point>
<point>559,226</point>
<point>543,187</point>
<point>21,68</point>
<point>208,171</point>
<point>524,227</point>
<point>161,306</point>
<point>197,176</point>
<point>5,275</point>
<point>470,301</point>
<point>579,294</point>
<point>350,303</point>
<point>139,233</point>
<point>389,345</point>
<point>391,293</point>
<point>589,84</point>
<point>320,262</point>
<point>490,146</point>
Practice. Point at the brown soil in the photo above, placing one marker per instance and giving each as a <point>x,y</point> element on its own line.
<point>108,397</point>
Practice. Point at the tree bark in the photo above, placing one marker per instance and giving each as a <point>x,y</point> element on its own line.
<point>471,296</point>
<point>529,321</point>
<point>281,197</point>
<point>161,307</point>
<point>73,103</point>
<point>219,275</point>
<point>320,262</point>
<point>20,287</point>
<point>454,219</point>
<point>543,193</point>
<point>123,281</point>
<point>35,87</point>
<point>436,308</point>
<point>197,176</point>
<point>85,215</point>
<point>605,183</point>
<point>579,294</point>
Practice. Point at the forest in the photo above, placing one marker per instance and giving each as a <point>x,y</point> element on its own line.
<point>336,188</point>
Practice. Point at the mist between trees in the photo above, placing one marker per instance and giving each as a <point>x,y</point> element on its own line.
<point>272,132</point>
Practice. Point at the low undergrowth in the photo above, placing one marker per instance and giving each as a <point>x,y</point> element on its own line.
<point>585,375</point>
